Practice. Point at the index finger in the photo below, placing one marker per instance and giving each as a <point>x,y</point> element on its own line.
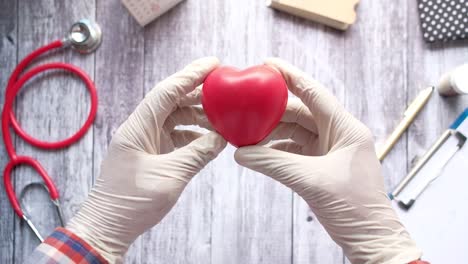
<point>165,97</point>
<point>318,99</point>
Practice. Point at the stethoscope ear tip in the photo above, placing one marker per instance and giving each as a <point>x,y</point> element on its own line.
<point>85,36</point>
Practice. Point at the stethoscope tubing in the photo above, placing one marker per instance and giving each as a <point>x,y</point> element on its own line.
<point>8,119</point>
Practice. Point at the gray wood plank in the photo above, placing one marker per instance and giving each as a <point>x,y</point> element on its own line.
<point>376,69</point>
<point>8,48</point>
<point>183,236</point>
<point>119,78</point>
<point>235,233</point>
<point>376,60</point>
<point>251,213</point>
<point>319,51</point>
<point>427,63</point>
<point>53,107</point>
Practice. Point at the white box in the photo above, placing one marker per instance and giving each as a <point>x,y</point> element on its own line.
<point>339,14</point>
<point>145,11</point>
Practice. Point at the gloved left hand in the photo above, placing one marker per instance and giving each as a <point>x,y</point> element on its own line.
<point>142,176</point>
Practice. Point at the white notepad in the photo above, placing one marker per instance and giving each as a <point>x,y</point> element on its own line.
<point>438,220</point>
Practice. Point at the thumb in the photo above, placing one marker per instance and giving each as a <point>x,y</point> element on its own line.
<point>282,166</point>
<point>321,102</point>
<point>189,160</point>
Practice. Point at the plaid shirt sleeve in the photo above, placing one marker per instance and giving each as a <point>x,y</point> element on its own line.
<point>64,247</point>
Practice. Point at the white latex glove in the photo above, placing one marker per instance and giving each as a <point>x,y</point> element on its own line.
<point>143,176</point>
<point>334,168</point>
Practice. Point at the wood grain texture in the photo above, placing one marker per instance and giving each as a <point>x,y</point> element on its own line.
<point>318,51</point>
<point>119,80</point>
<point>251,213</point>
<point>376,56</point>
<point>426,63</point>
<point>184,236</point>
<point>376,89</point>
<point>8,59</point>
<point>259,208</point>
<point>53,108</point>
<point>227,214</point>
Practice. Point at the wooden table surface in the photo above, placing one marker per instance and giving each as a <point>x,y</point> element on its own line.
<point>227,214</point>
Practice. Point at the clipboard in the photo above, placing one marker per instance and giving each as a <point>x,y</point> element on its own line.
<point>438,218</point>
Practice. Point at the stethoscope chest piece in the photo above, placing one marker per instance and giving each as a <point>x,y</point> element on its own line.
<point>85,36</point>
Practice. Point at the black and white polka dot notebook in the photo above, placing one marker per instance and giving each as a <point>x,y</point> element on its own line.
<point>443,20</point>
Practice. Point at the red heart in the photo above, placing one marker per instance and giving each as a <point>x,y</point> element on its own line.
<point>244,106</point>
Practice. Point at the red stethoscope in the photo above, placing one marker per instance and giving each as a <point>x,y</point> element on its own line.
<point>85,37</point>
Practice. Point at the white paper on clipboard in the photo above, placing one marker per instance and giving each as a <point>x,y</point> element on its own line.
<point>438,220</point>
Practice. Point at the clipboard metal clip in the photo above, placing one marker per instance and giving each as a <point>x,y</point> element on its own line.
<point>408,202</point>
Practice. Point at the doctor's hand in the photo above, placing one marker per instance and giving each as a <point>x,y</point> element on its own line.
<point>328,158</point>
<point>148,164</point>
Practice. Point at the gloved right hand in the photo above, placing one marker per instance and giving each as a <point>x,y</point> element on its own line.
<point>330,162</point>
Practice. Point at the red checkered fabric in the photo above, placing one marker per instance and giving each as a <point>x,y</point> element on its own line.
<point>64,247</point>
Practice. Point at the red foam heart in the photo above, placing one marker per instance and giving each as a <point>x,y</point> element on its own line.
<point>244,106</point>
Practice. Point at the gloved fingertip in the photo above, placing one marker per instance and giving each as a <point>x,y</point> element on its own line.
<point>245,155</point>
<point>289,72</point>
<point>272,61</point>
<point>278,64</point>
<point>239,155</point>
<point>265,160</point>
<point>274,68</point>
<point>194,156</point>
<point>208,145</point>
<point>211,62</point>
<point>215,141</point>
<point>271,65</point>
